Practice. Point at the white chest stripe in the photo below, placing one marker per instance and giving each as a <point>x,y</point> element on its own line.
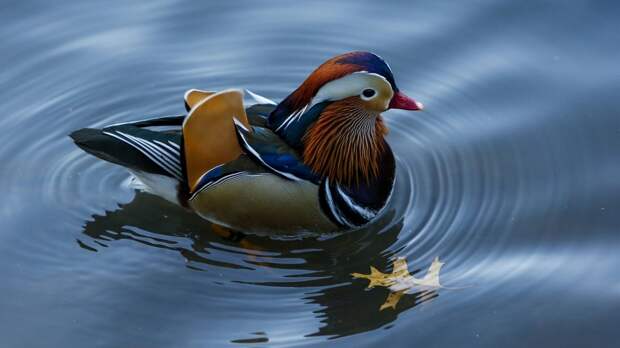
<point>333,208</point>
<point>366,213</point>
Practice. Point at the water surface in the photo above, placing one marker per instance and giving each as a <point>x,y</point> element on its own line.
<point>510,177</point>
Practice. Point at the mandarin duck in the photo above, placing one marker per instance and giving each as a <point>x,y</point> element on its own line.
<point>316,162</point>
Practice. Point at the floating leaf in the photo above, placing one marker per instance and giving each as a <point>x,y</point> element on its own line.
<point>400,281</point>
<point>430,280</point>
<point>376,278</point>
<point>392,300</point>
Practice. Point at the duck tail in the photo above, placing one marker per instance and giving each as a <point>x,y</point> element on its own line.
<point>110,149</point>
<point>94,142</point>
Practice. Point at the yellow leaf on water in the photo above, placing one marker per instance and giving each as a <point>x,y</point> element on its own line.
<point>430,280</point>
<point>392,300</point>
<point>400,268</point>
<point>375,278</point>
<point>400,281</point>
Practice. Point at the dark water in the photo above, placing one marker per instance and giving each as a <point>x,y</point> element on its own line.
<point>511,177</point>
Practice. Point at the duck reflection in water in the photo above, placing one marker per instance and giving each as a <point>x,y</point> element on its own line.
<point>322,265</point>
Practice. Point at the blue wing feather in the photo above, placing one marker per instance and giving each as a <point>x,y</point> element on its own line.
<point>276,155</point>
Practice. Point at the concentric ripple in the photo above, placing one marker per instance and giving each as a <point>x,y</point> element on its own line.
<point>509,177</point>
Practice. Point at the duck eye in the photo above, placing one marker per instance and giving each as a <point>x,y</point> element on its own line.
<point>368,93</point>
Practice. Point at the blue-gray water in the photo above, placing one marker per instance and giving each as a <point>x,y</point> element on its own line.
<point>511,176</point>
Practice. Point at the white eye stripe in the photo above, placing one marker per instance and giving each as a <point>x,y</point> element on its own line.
<point>351,85</point>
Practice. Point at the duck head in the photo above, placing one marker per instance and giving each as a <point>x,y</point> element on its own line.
<point>334,117</point>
